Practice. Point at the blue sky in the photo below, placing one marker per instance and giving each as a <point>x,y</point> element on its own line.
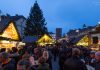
<point>67,14</point>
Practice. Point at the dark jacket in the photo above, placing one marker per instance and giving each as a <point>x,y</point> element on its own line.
<point>44,66</point>
<point>9,66</point>
<point>97,65</point>
<point>74,63</point>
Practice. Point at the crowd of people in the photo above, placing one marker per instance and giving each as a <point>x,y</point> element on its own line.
<point>40,58</point>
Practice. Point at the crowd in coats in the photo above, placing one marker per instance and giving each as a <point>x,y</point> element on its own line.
<point>40,58</point>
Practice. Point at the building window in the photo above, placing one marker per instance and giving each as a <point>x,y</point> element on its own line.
<point>95,40</point>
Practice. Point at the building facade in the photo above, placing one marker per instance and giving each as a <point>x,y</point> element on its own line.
<point>74,33</point>
<point>95,35</point>
<point>81,36</point>
<point>58,33</point>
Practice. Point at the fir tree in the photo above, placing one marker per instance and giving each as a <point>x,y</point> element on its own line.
<point>35,24</point>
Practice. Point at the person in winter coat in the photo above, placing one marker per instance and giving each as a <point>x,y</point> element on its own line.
<point>23,65</point>
<point>43,65</point>
<point>97,64</point>
<point>47,58</point>
<point>6,62</point>
<point>74,63</point>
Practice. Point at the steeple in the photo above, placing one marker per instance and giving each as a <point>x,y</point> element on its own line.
<point>84,26</point>
<point>35,1</point>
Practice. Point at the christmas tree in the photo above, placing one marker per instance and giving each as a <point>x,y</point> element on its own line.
<point>35,25</point>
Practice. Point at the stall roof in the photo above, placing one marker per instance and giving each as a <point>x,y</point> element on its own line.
<point>45,38</point>
<point>3,24</point>
<point>76,40</point>
<point>30,39</point>
<point>7,27</point>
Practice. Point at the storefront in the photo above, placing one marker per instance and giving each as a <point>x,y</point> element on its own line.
<point>95,38</point>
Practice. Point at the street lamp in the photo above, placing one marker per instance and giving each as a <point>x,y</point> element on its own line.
<point>77,30</point>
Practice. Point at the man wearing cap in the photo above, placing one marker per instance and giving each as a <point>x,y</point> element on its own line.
<point>97,56</point>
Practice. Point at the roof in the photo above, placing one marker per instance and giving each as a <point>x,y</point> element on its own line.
<point>73,32</point>
<point>30,39</point>
<point>45,39</point>
<point>15,18</point>
<point>3,24</point>
<point>6,19</point>
<point>97,30</point>
<point>5,27</point>
<point>76,40</point>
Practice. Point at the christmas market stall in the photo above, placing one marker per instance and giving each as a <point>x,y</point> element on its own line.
<point>46,39</point>
<point>82,40</point>
<point>9,36</point>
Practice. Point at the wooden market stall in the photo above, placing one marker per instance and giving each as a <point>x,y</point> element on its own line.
<point>46,39</point>
<point>83,40</point>
<point>9,36</point>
